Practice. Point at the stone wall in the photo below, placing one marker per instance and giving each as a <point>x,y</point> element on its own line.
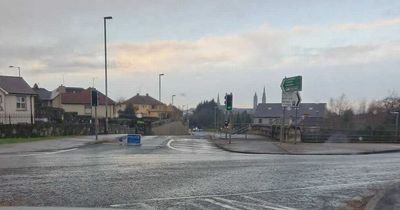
<point>54,129</point>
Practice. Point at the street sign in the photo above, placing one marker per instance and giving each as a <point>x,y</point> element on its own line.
<point>291,84</point>
<point>134,139</point>
<point>290,99</point>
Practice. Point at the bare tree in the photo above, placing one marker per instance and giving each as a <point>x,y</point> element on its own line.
<point>392,102</point>
<point>339,105</point>
<point>120,99</point>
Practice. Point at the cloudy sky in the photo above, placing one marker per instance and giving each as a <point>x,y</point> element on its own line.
<point>206,47</point>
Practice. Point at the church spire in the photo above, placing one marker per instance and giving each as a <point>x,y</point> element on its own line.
<point>264,97</point>
<point>255,101</point>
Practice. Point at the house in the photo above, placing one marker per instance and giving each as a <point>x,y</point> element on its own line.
<point>174,113</point>
<point>308,114</point>
<point>146,106</point>
<point>43,98</point>
<point>78,100</point>
<point>16,101</point>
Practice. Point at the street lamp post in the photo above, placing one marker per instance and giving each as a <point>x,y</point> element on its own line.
<point>397,124</point>
<point>105,68</point>
<point>159,86</point>
<point>19,70</point>
<point>172,101</point>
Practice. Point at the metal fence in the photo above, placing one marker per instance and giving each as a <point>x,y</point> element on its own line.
<point>335,135</point>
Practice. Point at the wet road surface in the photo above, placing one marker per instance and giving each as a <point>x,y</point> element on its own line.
<point>190,173</point>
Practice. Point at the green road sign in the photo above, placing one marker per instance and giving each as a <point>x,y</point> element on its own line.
<point>291,84</point>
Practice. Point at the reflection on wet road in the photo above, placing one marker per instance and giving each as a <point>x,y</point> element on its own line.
<point>189,173</point>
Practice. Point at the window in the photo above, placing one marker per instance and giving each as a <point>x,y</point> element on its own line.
<point>21,102</point>
<point>259,121</point>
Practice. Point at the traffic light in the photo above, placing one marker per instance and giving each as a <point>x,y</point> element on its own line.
<point>226,123</point>
<point>94,98</point>
<point>228,101</point>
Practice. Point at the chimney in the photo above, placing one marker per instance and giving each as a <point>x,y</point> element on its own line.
<point>147,94</point>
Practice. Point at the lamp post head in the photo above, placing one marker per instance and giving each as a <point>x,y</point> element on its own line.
<point>161,74</point>
<point>11,66</point>
<point>108,18</point>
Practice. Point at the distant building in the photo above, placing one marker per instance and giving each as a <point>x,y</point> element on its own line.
<point>43,96</point>
<point>146,106</point>
<point>78,100</point>
<point>308,114</point>
<point>255,102</point>
<point>16,101</point>
<point>264,97</point>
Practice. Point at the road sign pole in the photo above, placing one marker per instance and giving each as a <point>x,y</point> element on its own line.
<point>295,125</point>
<point>283,124</point>
<point>96,123</point>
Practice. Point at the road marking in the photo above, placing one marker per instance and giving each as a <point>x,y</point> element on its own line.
<point>220,204</point>
<point>46,153</point>
<point>250,206</point>
<point>191,146</point>
<point>269,203</point>
<point>239,204</point>
<point>261,191</point>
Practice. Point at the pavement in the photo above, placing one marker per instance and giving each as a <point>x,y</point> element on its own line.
<point>263,145</point>
<point>190,172</point>
<point>61,143</point>
<point>385,199</point>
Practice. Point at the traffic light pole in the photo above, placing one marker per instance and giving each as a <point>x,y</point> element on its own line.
<point>230,131</point>
<point>96,123</point>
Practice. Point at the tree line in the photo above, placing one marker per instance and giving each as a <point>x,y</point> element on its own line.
<point>209,114</point>
<point>375,115</point>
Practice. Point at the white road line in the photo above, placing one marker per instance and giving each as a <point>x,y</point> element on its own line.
<point>269,203</point>
<point>264,191</point>
<point>239,204</point>
<point>186,146</point>
<point>220,204</point>
<point>61,151</point>
<point>46,153</point>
